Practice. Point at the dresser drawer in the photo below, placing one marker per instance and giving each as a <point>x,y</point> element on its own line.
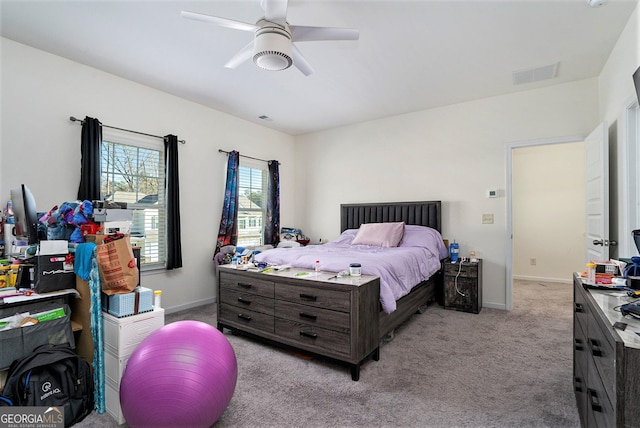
<point>467,270</point>
<point>245,318</point>
<point>244,300</point>
<point>237,281</point>
<point>333,320</point>
<point>308,337</point>
<point>602,352</point>
<point>581,309</point>
<point>581,350</point>
<point>599,408</point>
<point>313,296</point>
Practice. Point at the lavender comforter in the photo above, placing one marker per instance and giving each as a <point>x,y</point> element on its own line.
<point>400,268</point>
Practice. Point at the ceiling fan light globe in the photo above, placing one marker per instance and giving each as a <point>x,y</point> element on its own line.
<point>272,61</point>
<point>272,50</point>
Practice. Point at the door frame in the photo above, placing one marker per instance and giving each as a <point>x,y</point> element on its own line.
<point>509,202</point>
<point>628,176</point>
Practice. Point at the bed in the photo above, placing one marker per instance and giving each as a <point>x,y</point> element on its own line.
<point>421,285</point>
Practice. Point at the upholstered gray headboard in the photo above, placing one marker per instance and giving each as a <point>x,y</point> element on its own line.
<point>418,213</point>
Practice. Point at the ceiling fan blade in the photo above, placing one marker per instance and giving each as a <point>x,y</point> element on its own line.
<point>275,11</point>
<point>243,55</point>
<point>223,22</point>
<point>300,62</point>
<point>301,33</point>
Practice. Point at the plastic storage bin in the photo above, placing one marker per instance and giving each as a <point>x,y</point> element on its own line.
<point>122,335</point>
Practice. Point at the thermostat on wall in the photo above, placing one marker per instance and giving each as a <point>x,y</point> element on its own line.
<point>492,193</point>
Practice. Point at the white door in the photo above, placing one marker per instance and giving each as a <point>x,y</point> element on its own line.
<point>597,197</point>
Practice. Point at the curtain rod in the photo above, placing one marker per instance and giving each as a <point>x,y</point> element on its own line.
<point>74,119</point>
<point>245,156</point>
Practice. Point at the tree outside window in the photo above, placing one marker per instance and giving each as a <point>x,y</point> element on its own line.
<point>135,175</point>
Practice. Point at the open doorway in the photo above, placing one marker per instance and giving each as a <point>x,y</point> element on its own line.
<point>548,193</point>
<point>545,222</point>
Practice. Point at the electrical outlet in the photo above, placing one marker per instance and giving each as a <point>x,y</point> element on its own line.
<point>533,261</point>
<point>487,218</point>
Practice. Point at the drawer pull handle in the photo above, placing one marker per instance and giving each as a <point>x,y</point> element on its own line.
<point>243,300</point>
<point>579,307</point>
<point>595,348</point>
<point>309,297</point>
<point>308,316</point>
<point>578,345</point>
<point>593,398</point>
<point>244,317</point>
<point>244,285</point>
<point>577,384</point>
<point>309,335</point>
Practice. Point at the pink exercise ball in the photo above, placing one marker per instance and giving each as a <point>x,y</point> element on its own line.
<point>183,374</point>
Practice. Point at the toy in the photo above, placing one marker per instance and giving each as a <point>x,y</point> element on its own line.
<point>183,374</point>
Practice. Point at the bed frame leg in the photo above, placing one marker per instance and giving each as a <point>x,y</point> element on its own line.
<point>376,354</point>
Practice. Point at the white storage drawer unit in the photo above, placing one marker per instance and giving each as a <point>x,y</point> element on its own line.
<point>121,337</point>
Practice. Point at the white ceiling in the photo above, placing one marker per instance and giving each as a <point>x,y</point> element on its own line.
<point>411,55</point>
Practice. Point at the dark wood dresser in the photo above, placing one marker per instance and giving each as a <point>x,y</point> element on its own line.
<point>316,312</point>
<point>463,286</point>
<point>606,360</point>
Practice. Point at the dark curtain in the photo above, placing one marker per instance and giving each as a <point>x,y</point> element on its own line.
<point>172,189</point>
<point>272,226</point>
<point>90,143</point>
<point>228,234</point>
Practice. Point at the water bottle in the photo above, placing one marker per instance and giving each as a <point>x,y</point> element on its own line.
<point>157,299</point>
<point>591,273</point>
<point>454,249</point>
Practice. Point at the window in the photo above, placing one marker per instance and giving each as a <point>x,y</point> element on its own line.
<point>252,206</point>
<point>133,172</point>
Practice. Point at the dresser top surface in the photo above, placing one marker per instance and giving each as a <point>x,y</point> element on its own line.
<point>304,274</point>
<point>610,302</point>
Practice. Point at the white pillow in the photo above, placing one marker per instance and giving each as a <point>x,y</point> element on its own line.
<point>379,234</point>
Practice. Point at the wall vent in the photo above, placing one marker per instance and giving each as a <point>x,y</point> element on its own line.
<point>536,74</point>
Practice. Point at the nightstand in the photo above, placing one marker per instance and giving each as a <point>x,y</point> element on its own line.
<point>463,286</point>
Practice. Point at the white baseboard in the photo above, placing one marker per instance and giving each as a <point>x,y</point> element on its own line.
<point>544,279</point>
<point>191,305</point>
<point>501,306</point>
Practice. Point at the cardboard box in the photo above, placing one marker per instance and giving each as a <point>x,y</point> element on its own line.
<point>96,239</point>
<point>140,300</point>
<point>613,267</point>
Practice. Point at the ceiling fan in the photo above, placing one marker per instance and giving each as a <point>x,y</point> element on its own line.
<point>272,47</point>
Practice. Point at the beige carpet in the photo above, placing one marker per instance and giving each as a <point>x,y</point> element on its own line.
<point>443,369</point>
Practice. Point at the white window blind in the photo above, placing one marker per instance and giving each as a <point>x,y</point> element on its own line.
<point>133,172</point>
<point>252,197</point>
